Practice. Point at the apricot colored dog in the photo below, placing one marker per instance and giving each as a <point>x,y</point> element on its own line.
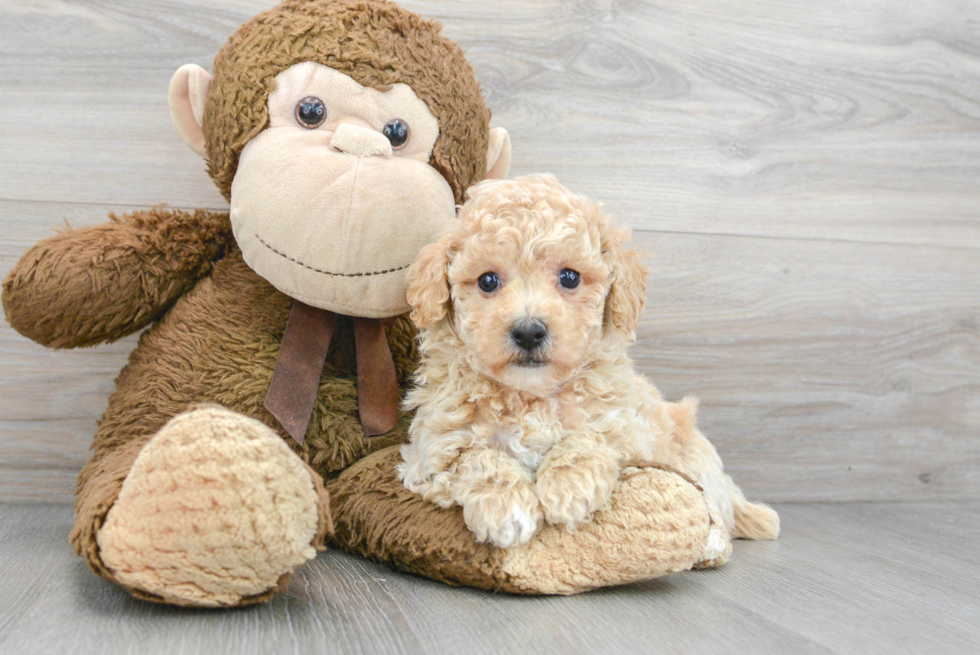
<point>527,405</point>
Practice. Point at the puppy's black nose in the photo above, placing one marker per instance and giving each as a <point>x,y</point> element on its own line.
<point>528,335</point>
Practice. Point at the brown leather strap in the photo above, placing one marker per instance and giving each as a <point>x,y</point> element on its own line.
<point>302,354</point>
<point>377,386</point>
<point>296,380</point>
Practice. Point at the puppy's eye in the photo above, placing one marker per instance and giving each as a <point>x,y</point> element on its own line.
<point>397,132</point>
<point>488,282</point>
<point>311,112</point>
<point>569,278</point>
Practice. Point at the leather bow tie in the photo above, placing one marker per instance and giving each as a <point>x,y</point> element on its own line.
<point>302,354</point>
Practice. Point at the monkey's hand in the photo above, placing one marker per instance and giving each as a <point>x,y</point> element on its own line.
<point>100,283</point>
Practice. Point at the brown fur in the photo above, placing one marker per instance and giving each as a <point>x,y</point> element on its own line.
<point>378,44</point>
<point>215,343</point>
<point>100,283</point>
<point>215,325</point>
<point>219,324</point>
<point>376,516</point>
<point>656,524</point>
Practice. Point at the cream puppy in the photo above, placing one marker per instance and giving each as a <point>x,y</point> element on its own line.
<point>527,405</point>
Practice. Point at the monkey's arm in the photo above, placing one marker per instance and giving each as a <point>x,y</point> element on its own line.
<point>100,283</point>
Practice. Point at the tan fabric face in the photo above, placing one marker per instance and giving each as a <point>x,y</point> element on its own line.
<point>349,102</point>
<point>379,44</point>
<point>335,229</point>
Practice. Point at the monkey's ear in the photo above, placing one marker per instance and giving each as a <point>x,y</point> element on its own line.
<point>498,154</point>
<point>428,283</point>
<point>188,94</point>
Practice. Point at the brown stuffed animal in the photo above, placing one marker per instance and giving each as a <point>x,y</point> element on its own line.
<point>343,133</point>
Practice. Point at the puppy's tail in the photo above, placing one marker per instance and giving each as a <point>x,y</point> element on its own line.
<point>753,520</point>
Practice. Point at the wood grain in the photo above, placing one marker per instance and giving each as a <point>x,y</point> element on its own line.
<point>826,370</point>
<point>804,176</point>
<point>837,120</point>
<point>860,578</point>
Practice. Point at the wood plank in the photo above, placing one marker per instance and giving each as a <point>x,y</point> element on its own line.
<point>51,399</point>
<point>827,370</point>
<point>838,121</point>
<point>869,578</point>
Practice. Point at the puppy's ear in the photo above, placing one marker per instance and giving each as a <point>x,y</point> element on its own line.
<point>428,283</point>
<point>627,295</point>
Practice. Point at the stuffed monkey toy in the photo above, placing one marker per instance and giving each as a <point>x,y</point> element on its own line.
<point>258,417</point>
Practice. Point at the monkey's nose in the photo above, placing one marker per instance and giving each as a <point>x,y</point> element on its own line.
<point>360,141</point>
<point>528,335</point>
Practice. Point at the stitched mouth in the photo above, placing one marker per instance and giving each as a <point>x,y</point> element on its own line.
<point>332,273</point>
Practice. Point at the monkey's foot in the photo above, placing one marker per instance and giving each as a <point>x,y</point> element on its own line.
<point>216,509</point>
<point>656,523</point>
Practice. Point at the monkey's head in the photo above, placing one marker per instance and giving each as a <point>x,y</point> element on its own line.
<point>343,133</point>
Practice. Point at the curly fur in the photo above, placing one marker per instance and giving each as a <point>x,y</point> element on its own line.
<point>517,442</point>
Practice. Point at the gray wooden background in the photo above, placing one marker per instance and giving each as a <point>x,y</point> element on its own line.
<point>805,177</point>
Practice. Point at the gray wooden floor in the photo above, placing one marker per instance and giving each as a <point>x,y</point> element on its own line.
<point>845,578</point>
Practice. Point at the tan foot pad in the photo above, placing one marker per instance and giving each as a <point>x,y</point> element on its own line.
<point>657,524</point>
<point>216,509</point>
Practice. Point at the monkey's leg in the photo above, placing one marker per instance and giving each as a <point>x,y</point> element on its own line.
<point>212,510</point>
<point>656,523</point>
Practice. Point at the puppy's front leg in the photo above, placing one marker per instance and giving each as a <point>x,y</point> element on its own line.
<point>576,478</point>
<point>497,496</point>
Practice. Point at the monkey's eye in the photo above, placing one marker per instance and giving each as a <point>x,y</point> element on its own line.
<point>569,278</point>
<point>397,132</point>
<point>311,112</point>
<point>488,282</point>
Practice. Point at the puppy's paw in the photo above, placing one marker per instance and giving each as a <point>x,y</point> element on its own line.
<point>572,486</point>
<point>516,529</point>
<point>504,517</point>
<point>717,550</point>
